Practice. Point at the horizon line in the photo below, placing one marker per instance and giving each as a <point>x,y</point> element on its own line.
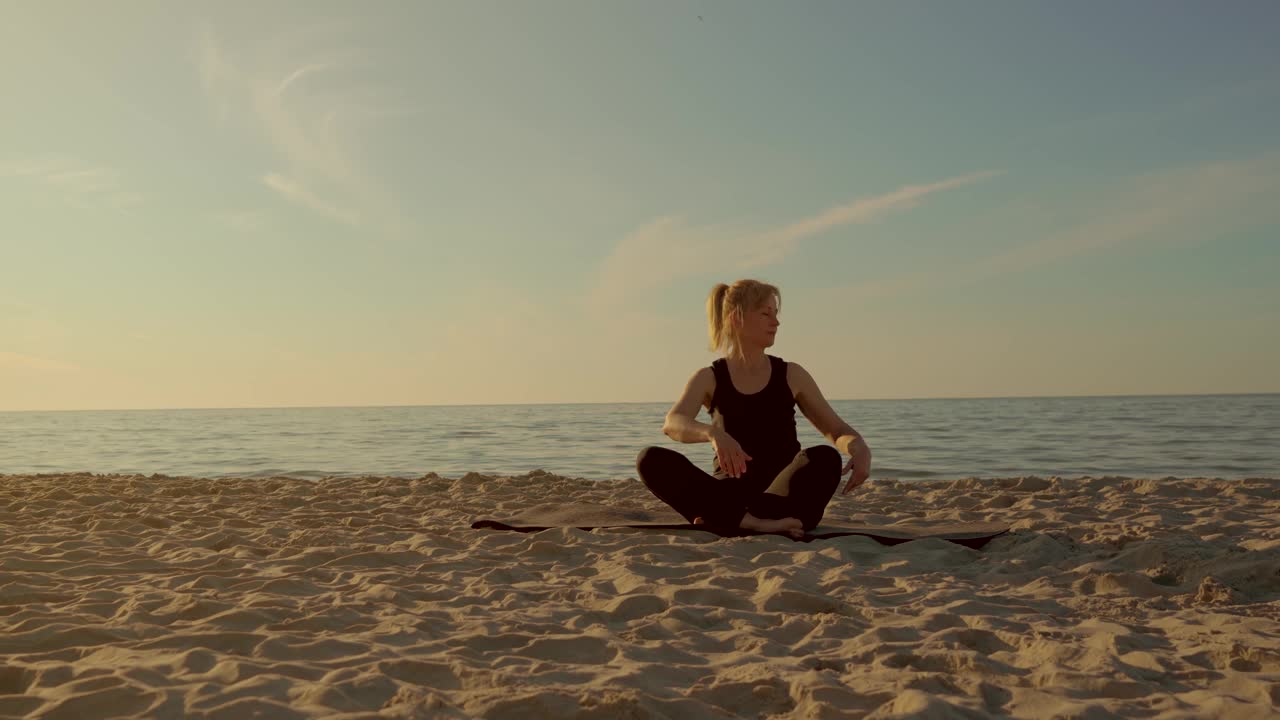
<point>637,402</point>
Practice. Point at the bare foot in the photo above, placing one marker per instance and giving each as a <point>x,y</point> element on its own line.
<point>788,526</point>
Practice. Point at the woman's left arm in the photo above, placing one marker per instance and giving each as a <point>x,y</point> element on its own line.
<point>838,432</point>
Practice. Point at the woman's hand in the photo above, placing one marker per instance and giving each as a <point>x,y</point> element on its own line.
<point>859,463</point>
<point>733,459</point>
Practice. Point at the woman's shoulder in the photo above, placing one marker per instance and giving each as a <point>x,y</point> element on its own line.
<point>791,365</point>
<point>796,375</point>
<point>704,377</point>
<point>718,367</point>
<point>703,384</point>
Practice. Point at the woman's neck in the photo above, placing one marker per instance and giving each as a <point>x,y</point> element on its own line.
<point>750,359</point>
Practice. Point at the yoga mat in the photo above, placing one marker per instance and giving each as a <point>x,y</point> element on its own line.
<point>588,516</point>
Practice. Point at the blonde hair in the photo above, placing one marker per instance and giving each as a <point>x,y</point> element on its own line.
<point>741,297</point>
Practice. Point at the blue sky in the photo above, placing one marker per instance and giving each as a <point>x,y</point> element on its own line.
<point>295,204</point>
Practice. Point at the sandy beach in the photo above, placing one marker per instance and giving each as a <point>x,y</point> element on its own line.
<point>165,597</point>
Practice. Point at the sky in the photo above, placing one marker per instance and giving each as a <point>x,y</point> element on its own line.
<point>294,204</point>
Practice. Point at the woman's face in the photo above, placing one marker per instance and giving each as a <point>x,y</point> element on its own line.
<point>760,326</point>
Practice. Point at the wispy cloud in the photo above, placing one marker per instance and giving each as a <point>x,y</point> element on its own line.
<point>299,194</point>
<point>1181,205</point>
<point>19,361</point>
<point>314,106</point>
<point>74,182</point>
<point>669,248</point>
<point>771,247</point>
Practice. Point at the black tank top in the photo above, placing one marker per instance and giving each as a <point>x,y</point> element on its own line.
<point>763,423</point>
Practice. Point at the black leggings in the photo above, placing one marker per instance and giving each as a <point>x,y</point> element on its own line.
<point>800,490</point>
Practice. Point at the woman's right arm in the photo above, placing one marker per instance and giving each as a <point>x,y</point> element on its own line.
<point>681,423</point>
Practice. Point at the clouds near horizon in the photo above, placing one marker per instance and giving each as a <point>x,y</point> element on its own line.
<point>1187,204</point>
<point>317,204</point>
<point>670,248</point>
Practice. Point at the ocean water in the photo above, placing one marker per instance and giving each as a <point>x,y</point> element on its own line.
<point>1226,436</point>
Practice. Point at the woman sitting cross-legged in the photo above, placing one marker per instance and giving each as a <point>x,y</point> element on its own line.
<point>762,481</point>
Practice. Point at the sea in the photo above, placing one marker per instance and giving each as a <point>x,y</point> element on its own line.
<point>1222,436</point>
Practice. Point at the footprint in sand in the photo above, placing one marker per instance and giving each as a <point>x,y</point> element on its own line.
<point>574,651</point>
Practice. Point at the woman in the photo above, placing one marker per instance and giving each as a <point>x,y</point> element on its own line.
<point>763,481</point>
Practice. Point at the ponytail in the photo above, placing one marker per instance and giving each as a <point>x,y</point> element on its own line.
<point>715,315</point>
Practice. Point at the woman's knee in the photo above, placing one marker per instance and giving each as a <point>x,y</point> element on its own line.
<point>652,458</point>
<point>824,457</point>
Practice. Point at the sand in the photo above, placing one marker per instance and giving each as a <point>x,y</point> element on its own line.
<point>165,597</point>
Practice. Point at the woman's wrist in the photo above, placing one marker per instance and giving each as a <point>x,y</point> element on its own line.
<point>852,444</point>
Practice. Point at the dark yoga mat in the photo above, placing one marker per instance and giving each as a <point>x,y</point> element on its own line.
<point>588,516</point>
